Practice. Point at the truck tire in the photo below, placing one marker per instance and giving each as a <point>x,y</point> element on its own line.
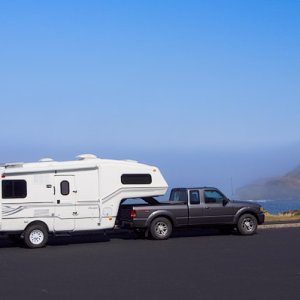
<point>36,236</point>
<point>247,224</point>
<point>161,228</point>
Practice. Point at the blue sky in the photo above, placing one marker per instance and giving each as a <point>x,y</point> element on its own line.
<point>206,90</point>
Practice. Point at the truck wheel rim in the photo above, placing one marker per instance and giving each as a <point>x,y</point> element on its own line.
<point>36,237</point>
<point>248,224</point>
<point>161,229</point>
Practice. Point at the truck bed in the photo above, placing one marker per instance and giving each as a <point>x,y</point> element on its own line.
<point>125,218</point>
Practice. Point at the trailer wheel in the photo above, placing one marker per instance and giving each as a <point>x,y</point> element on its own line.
<point>247,224</point>
<point>36,236</point>
<point>161,228</point>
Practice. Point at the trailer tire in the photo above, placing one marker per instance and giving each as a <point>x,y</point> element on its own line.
<point>161,228</point>
<point>36,236</point>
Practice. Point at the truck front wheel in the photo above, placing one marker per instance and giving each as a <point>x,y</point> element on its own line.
<point>247,224</point>
<point>161,228</point>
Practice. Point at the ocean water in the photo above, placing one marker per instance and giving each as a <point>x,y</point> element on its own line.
<point>279,206</point>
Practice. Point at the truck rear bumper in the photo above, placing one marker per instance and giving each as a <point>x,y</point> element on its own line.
<point>132,224</point>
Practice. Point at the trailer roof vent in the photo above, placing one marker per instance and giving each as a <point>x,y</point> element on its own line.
<point>86,156</point>
<point>47,159</point>
<point>131,160</point>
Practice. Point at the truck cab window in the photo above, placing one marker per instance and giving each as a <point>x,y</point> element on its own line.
<point>194,197</point>
<point>213,197</point>
<point>65,188</point>
<point>178,196</point>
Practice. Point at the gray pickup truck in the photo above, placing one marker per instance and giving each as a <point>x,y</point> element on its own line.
<point>205,206</point>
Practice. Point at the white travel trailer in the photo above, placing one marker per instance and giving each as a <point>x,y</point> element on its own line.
<point>53,197</point>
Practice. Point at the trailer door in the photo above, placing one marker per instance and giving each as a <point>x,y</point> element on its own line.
<point>65,199</point>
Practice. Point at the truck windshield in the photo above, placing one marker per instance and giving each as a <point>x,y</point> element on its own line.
<point>178,196</point>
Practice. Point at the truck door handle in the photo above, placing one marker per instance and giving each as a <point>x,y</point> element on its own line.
<point>206,207</point>
<point>58,201</point>
<point>75,213</point>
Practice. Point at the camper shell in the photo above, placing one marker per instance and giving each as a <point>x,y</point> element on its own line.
<point>70,196</point>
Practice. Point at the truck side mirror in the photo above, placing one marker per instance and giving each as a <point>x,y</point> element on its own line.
<point>225,201</point>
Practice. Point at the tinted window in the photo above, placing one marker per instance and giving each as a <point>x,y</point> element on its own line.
<point>65,188</point>
<point>14,189</point>
<point>178,196</point>
<point>136,179</point>
<point>194,197</point>
<point>213,197</point>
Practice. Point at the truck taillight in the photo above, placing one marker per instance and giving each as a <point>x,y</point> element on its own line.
<point>133,214</point>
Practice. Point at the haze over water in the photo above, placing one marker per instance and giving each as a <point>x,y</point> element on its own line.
<point>206,90</point>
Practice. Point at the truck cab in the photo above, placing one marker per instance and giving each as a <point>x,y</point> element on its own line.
<point>205,205</point>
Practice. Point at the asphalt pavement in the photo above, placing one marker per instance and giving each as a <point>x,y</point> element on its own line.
<point>193,264</point>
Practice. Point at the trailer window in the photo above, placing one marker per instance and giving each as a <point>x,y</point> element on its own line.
<point>136,179</point>
<point>65,188</point>
<point>14,189</point>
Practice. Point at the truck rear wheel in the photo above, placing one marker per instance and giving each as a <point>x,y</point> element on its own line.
<point>247,224</point>
<point>36,236</point>
<point>161,228</point>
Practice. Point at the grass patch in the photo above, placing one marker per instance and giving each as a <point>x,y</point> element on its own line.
<point>292,215</point>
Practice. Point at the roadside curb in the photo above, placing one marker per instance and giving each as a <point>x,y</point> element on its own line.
<point>286,225</point>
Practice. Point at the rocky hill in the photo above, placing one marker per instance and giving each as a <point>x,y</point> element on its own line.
<point>285,187</point>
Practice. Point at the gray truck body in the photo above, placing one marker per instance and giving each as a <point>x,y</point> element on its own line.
<point>190,207</point>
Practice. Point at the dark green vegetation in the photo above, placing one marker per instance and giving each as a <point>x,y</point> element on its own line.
<point>285,187</point>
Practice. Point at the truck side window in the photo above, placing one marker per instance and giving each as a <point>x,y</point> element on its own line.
<point>65,188</point>
<point>213,197</point>
<point>178,196</point>
<point>194,197</point>
<point>14,189</point>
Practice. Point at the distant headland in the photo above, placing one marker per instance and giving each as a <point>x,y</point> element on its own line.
<point>285,187</point>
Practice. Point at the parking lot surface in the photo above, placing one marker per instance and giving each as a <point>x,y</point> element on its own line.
<point>194,264</point>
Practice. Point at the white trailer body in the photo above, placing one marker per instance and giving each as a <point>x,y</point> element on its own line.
<point>72,196</point>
